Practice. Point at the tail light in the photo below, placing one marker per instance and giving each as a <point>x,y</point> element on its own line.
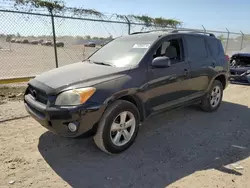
<point>227,58</point>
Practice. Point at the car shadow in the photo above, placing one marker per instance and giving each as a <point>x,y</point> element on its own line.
<point>169,146</point>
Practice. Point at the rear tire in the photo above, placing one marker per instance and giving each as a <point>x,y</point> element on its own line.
<point>213,99</point>
<point>118,127</point>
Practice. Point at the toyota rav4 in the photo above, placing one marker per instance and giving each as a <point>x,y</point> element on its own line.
<point>129,79</point>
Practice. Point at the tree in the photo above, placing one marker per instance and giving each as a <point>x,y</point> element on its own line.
<point>18,35</point>
<point>9,37</point>
<point>87,37</point>
<point>51,6</point>
<point>221,37</point>
<point>79,38</point>
<point>110,37</point>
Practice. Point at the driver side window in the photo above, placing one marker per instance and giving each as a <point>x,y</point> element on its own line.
<point>170,48</point>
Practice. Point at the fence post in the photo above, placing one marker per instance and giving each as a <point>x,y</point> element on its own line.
<point>54,38</point>
<point>228,33</point>
<point>129,24</point>
<point>242,38</point>
<point>204,29</point>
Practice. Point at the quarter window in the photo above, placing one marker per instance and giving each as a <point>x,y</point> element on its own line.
<point>214,47</point>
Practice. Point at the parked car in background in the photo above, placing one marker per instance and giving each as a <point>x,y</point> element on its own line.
<point>25,41</point>
<point>240,68</point>
<point>104,43</point>
<point>13,40</point>
<point>126,81</point>
<point>34,42</point>
<point>40,41</point>
<point>47,43</point>
<point>90,44</point>
<point>59,44</point>
<point>18,40</point>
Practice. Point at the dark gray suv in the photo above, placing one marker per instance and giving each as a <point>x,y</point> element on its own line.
<point>126,81</point>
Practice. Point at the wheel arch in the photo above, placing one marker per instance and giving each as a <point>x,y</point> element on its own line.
<point>222,79</point>
<point>137,102</point>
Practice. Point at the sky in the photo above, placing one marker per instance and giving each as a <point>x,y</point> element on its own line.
<point>212,14</point>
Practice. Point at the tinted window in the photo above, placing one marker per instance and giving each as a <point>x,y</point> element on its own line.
<point>196,47</point>
<point>214,46</point>
<point>170,48</point>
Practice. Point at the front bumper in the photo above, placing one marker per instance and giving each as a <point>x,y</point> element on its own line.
<point>242,78</point>
<point>57,119</point>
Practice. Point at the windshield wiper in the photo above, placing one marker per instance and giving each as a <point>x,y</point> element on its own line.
<point>101,63</point>
<point>98,63</point>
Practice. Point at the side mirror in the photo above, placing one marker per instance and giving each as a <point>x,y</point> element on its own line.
<point>161,62</point>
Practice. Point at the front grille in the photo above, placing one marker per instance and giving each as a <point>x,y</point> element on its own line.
<point>38,95</point>
<point>236,72</point>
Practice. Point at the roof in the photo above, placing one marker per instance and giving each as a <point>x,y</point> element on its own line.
<point>153,35</point>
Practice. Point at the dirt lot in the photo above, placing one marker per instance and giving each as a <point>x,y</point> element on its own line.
<point>183,148</point>
<point>17,60</point>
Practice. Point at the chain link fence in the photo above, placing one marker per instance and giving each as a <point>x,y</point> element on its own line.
<point>28,48</point>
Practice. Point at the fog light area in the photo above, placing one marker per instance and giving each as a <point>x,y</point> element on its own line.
<point>72,127</point>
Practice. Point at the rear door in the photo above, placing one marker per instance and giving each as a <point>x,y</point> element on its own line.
<point>200,62</point>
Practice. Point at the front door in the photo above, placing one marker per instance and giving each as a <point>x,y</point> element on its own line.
<point>166,85</point>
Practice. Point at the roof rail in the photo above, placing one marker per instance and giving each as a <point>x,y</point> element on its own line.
<point>167,30</point>
<point>192,31</point>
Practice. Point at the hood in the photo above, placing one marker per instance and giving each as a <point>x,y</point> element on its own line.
<point>82,72</point>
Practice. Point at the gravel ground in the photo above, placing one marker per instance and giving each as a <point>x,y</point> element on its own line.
<point>31,60</point>
<point>182,148</point>
<point>12,110</point>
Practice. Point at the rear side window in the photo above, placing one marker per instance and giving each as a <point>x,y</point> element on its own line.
<point>196,47</point>
<point>214,46</point>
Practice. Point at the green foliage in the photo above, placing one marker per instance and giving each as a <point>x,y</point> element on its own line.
<point>18,35</point>
<point>79,38</point>
<point>87,37</point>
<point>110,37</point>
<point>82,11</point>
<point>9,37</point>
<point>221,37</point>
<point>144,18</point>
<point>50,5</point>
<point>157,22</point>
<point>161,22</point>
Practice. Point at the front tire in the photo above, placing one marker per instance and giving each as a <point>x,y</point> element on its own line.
<point>213,99</point>
<point>118,127</point>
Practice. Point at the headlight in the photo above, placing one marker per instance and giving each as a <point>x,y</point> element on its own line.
<point>75,96</point>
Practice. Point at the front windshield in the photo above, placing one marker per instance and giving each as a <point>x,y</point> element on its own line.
<point>122,52</point>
